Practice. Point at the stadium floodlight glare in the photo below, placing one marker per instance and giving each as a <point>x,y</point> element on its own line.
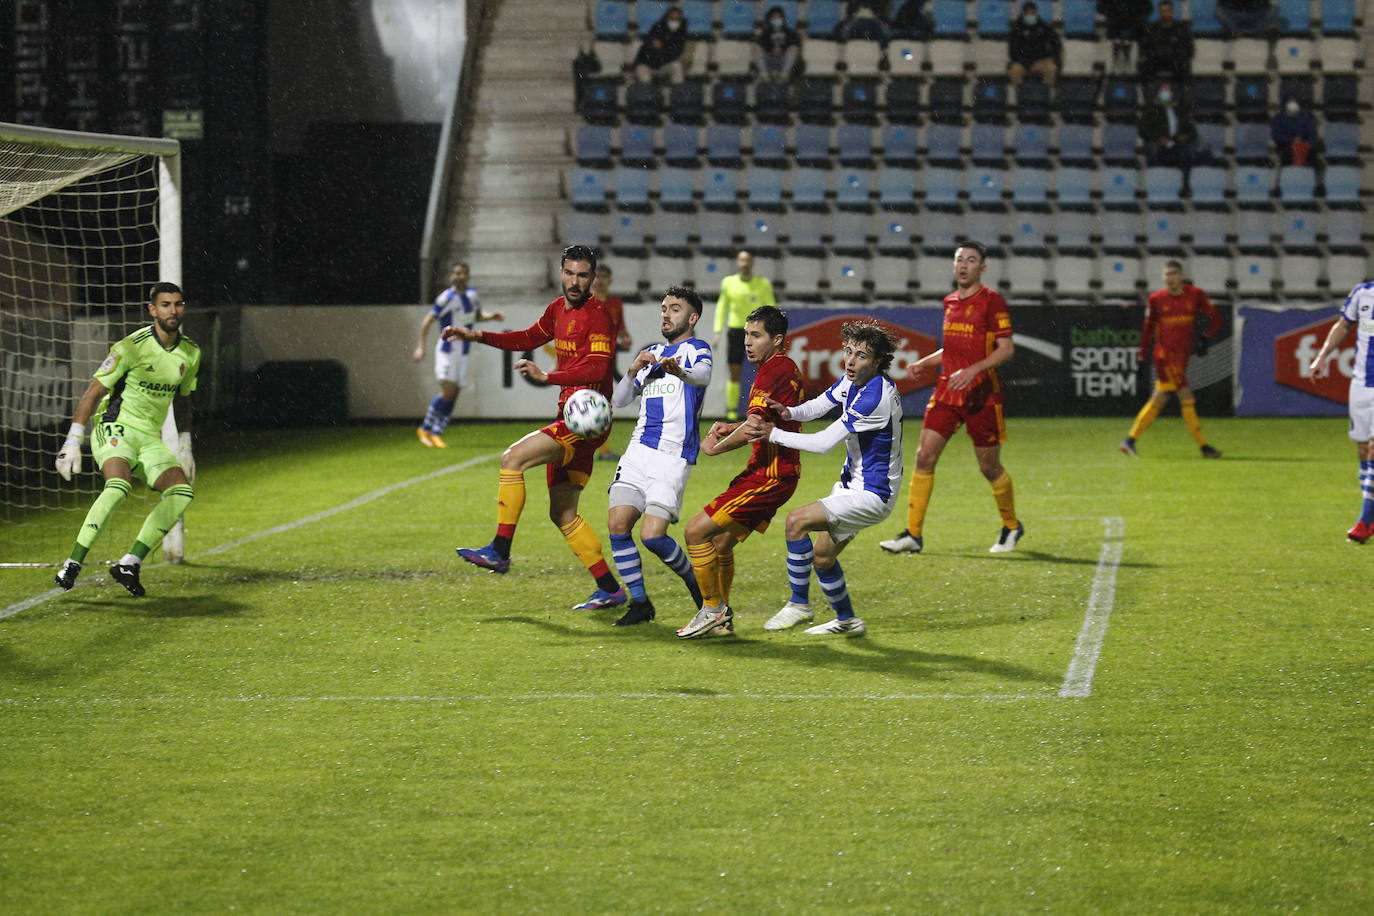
<point>88,222</point>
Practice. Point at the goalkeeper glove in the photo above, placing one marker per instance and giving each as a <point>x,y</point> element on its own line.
<point>69,457</point>
<point>184,456</point>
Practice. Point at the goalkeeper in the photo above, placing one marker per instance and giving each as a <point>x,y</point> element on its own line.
<point>145,373</point>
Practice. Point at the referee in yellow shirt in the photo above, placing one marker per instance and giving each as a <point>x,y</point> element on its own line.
<point>740,294</point>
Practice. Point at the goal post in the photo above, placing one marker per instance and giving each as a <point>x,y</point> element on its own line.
<point>88,222</point>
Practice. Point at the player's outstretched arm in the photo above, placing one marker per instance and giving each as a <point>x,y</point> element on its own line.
<point>423,337</point>
<point>723,437</point>
<point>69,456</point>
<point>818,443</point>
<point>1319,366</point>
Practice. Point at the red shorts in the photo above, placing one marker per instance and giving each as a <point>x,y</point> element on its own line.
<point>1171,375</point>
<point>579,455</point>
<point>750,502</point>
<point>986,425</point>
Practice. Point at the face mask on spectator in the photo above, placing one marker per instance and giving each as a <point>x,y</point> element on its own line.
<point>674,24</point>
<point>1292,108</point>
<point>776,22</point>
<point>1030,18</point>
<point>1165,96</point>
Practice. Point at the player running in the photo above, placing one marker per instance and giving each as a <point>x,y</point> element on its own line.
<point>766,483</point>
<point>1357,311</point>
<point>1171,318</point>
<point>670,380</point>
<point>456,305</point>
<point>151,370</point>
<point>581,332</point>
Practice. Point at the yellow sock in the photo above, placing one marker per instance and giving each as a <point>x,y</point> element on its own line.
<point>510,498</point>
<point>725,567</point>
<point>1189,410</point>
<point>707,571</point>
<point>731,397</point>
<point>918,501</point>
<point>584,542</point>
<point>1006,500</point>
<point>1144,419</point>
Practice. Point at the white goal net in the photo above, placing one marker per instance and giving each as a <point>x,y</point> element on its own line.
<point>88,222</point>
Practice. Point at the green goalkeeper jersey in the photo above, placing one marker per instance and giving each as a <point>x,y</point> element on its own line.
<point>143,377</point>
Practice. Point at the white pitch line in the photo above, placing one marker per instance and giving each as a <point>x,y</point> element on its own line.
<point>497,698</point>
<point>363,500</point>
<point>1078,681</point>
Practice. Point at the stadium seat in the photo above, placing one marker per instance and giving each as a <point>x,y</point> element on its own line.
<point>1163,230</point>
<point>943,143</point>
<point>892,275</point>
<point>904,101</point>
<point>1073,274</point>
<point>859,100</point>
<point>1345,229</point>
<point>709,269</point>
<point>719,187</point>
<point>1081,57</point>
<point>1299,228</point>
<point>612,55</point>
<point>988,143</point>
<point>1211,140</point>
<point>1254,185</point>
<point>1338,17</point>
<point>1209,98</point>
<point>732,58</point>
<point>1120,274</point>
<point>905,58</point>
<point>632,187</point>
<point>1207,186</point>
<point>1342,185</point>
<point>680,145</point>
<point>1118,144</point>
<point>855,144</point>
<point>730,100</point>
<point>1075,144</point>
<point>821,58</point>
<point>1255,274</point>
<point>940,186</point>
<point>1163,186</point>
<point>1294,55</point>
<point>1119,186</point>
<point>662,270</point>
<point>737,18</point>
<point>760,232</point>
<point>1340,98</point>
<point>611,20</point>
<point>1033,103</point>
<point>946,100</point>
<point>1250,55</point>
<point>849,231</point>
<point>724,145</point>
<point>1299,86</point>
<point>716,232</point>
<point>699,15</point>
<point>891,231</point>
<point>677,188</point>
<point>637,145</point>
<point>687,102</point>
<point>648,13</point>
<point>763,187</point>
<point>897,188</point>
<point>816,100</point>
<point>1300,273</point>
<point>853,187</point>
<point>988,225</point>
<point>643,103</point>
<point>990,100</point>
<point>1252,98</point>
<point>947,57</point>
<point>1074,187</point>
<point>1030,144</point>
<point>823,18</point>
<point>790,11</point>
<point>600,102</point>
<point>1077,99</point>
<point>629,235</point>
<point>985,186</point>
<point>812,144</point>
<point>1210,231</point>
<point>899,144</point>
<point>1203,14</point>
<point>1254,230</point>
<point>802,275</point>
<point>846,275</point>
<point>1297,185</point>
<point>592,145</point>
<point>1029,230</point>
<point>1072,230</point>
<point>1119,230</point>
<point>993,18</point>
<point>772,102</point>
<point>584,226</point>
<point>769,145</point>
<point>949,18</point>
<point>1345,270</point>
<point>809,187</point>
<point>1078,18</point>
<point>1210,272</point>
<point>1295,17</point>
<point>1121,100</point>
<point>932,275</point>
<point>1029,188</point>
<point>589,188</point>
<point>1252,143</point>
<point>864,58</point>
<point>670,233</point>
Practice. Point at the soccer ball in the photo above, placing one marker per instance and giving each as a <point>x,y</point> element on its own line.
<point>587,413</point>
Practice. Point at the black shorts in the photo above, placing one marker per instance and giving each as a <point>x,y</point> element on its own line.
<point>734,346</point>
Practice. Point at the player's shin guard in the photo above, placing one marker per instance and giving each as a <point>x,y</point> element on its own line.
<point>583,541</point>
<point>725,569</point>
<point>1367,491</point>
<point>800,553</point>
<point>98,515</point>
<point>836,591</point>
<point>626,556</point>
<point>1144,419</point>
<point>438,415</point>
<point>918,500</point>
<point>673,556</point>
<point>510,502</point>
<point>1188,408</point>
<point>169,508</point>
<point>1005,498</point>
<point>707,569</point>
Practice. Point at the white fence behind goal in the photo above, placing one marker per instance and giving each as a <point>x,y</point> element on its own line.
<point>88,222</point>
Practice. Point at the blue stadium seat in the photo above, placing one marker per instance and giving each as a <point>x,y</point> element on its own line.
<point>1252,142</point>
<point>1342,184</point>
<point>770,144</point>
<point>1073,187</point>
<point>985,187</point>
<point>599,102</point>
<point>772,102</point>
<point>760,232</point>
<point>896,188</point>
<point>1119,186</point>
<point>946,100</point>
<point>1295,17</point>
<point>1207,186</point>
<point>815,99</point>
<point>1077,99</point>
<point>852,188</point>
<point>1345,229</point>
<point>1121,99</point>
<point>1028,231</point>
<point>1030,144</point>
<point>904,100</point>
<point>611,20</point>
<point>1163,186</point>
<point>893,233</point>
<point>730,100</point>
<point>1252,97</point>
<point>581,226</point>
<point>670,232</point>
<point>680,144</point>
<point>1338,17</point>
<point>993,18</point>
<point>941,186</point>
<point>1164,231</point>
<point>855,143</point>
<point>849,232</point>
<point>859,100</point>
<point>589,187</point>
<point>809,187</point>
<point>805,231</point>
<point>764,187</point>
<point>1253,230</point>
<point>950,18</point>
<point>1211,138</point>
<point>1297,184</point>
<point>812,143</point>
<point>1342,140</point>
<point>1119,229</point>
<point>1030,188</point>
<point>1075,143</point>
<point>899,144</point>
<point>687,102</point>
<point>737,18</point>
<point>628,234</point>
<point>823,17</point>
<point>1078,17</point>
<point>1209,230</point>
<point>1072,230</point>
<point>632,187</point>
<point>699,15</point>
<point>988,143</point>
<point>990,99</point>
<point>943,143</point>
<point>648,13</point>
<point>1298,228</point>
<point>716,232</point>
<point>636,145</point>
<point>789,10</point>
<point>592,145</point>
<point>723,145</point>
<point>1033,103</point>
<point>1203,14</point>
<point>677,187</point>
<point>643,103</point>
<point>1118,144</point>
<point>719,187</point>
<point>1253,185</point>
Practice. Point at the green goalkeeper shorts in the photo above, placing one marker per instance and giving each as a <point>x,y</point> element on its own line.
<point>148,456</point>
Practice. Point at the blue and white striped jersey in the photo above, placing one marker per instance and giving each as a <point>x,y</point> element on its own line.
<point>873,416</point>
<point>1359,309</point>
<point>670,407</point>
<point>452,308</point>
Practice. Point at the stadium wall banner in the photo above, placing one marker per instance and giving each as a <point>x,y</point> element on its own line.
<point>1279,343</point>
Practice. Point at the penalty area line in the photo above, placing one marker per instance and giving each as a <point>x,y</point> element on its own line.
<point>1078,680</point>
<point>364,499</point>
<point>519,697</point>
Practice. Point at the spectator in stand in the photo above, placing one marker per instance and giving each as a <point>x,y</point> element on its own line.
<point>1034,48</point>
<point>1246,17</point>
<point>1294,132</point>
<point>910,20</point>
<point>664,50</point>
<point>1166,47</point>
<point>1166,129</point>
<point>1125,22</point>
<point>776,46</point>
<point>866,20</point>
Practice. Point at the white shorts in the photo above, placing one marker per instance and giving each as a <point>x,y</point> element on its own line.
<point>453,365</point>
<point>851,511</point>
<point>651,481</point>
<point>1361,413</point>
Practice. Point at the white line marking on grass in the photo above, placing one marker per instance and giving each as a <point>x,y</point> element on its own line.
<point>363,500</point>
<point>1078,681</point>
<point>528,697</point>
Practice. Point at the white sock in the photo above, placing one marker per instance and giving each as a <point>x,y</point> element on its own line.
<point>130,560</point>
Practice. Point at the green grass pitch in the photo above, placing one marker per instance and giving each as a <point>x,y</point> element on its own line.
<point>326,711</point>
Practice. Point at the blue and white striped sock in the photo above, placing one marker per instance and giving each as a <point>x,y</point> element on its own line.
<point>440,412</point>
<point>800,553</point>
<point>836,592</point>
<point>1367,491</point>
<point>675,558</point>
<point>626,556</point>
